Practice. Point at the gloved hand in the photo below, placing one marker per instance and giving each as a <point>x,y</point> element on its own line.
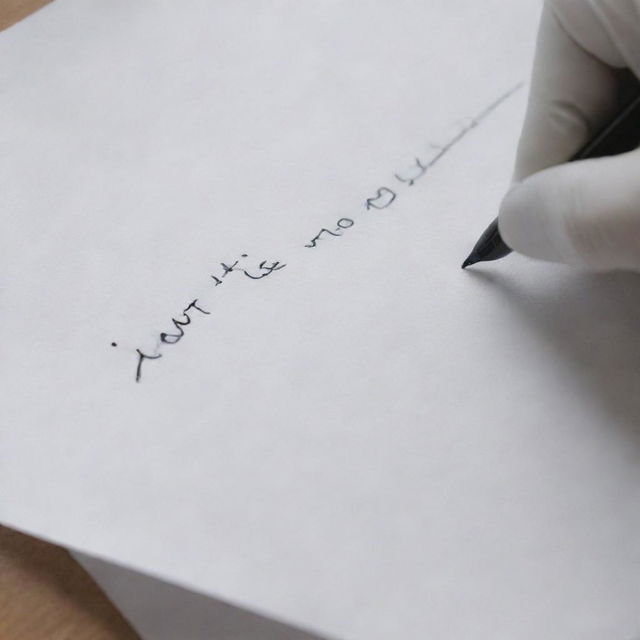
<point>585,213</point>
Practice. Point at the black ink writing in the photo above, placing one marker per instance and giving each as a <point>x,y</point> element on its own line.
<point>276,266</point>
<point>172,338</point>
<point>418,171</point>
<point>383,198</point>
<point>141,358</point>
<point>343,223</point>
<point>228,269</point>
<point>179,323</point>
<point>315,239</point>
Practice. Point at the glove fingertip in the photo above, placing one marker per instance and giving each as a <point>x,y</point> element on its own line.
<point>522,223</point>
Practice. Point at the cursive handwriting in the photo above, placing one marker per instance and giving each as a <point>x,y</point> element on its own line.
<point>185,317</point>
<point>383,198</point>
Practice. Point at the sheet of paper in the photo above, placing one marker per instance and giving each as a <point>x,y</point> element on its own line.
<point>238,351</point>
<point>159,610</point>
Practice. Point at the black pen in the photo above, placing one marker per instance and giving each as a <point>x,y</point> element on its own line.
<point>620,135</point>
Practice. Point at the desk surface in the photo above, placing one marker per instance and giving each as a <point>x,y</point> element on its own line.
<point>46,595</point>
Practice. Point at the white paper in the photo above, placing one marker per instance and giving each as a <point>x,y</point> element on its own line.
<point>162,611</point>
<point>367,442</point>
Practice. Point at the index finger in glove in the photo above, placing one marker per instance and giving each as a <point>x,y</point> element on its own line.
<point>573,86</point>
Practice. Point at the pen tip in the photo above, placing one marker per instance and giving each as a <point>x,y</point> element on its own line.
<point>468,262</point>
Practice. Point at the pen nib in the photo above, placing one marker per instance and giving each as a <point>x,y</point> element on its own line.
<point>467,263</point>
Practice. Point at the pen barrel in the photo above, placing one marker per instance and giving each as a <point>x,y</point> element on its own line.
<point>622,134</point>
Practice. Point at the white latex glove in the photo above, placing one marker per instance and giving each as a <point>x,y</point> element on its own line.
<point>585,213</point>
